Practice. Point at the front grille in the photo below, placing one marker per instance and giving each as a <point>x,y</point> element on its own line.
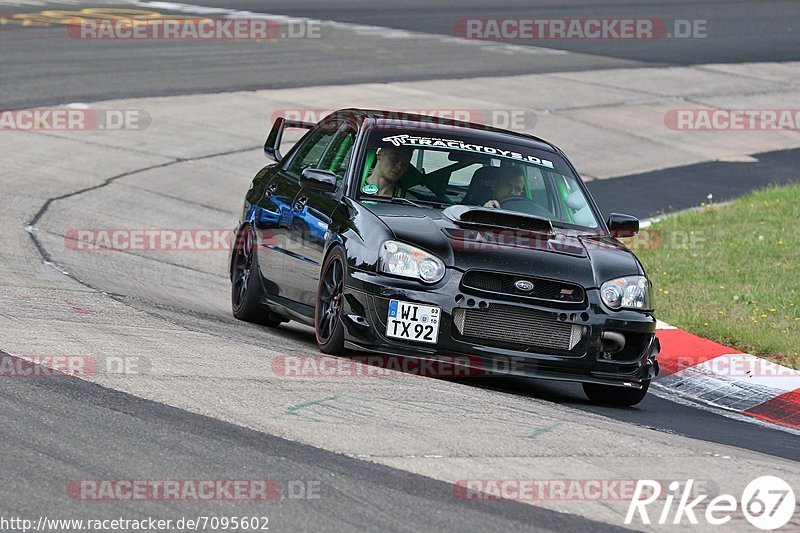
<point>503,283</point>
<point>507,325</point>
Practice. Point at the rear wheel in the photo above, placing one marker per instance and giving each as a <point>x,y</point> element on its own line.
<point>247,293</point>
<point>328,313</point>
<point>611,395</point>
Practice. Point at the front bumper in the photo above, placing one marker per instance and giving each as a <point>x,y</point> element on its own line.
<point>367,298</point>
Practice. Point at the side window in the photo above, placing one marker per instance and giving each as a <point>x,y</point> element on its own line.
<point>309,154</point>
<point>337,156</point>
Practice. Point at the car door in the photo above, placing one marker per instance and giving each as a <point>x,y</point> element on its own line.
<point>275,243</point>
<point>262,214</point>
<point>313,210</point>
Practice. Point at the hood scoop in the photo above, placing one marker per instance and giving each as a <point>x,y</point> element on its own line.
<point>498,219</point>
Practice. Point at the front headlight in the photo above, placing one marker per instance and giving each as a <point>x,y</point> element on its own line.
<point>630,292</point>
<point>404,260</point>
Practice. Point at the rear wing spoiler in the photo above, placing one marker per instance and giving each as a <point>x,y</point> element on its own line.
<point>272,147</point>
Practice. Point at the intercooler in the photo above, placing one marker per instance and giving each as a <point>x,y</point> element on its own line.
<point>516,325</point>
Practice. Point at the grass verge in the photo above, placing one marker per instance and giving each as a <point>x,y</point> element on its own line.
<point>731,273</point>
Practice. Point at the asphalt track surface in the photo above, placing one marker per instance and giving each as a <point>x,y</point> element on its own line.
<point>343,56</point>
<point>685,187</point>
<point>53,426</point>
<point>737,31</point>
<point>56,430</point>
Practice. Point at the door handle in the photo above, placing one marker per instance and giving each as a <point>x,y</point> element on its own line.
<point>300,203</point>
<point>270,190</point>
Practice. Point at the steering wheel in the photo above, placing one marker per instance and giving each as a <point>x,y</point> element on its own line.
<point>524,205</point>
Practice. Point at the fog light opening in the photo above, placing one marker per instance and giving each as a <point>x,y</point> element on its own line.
<point>611,342</point>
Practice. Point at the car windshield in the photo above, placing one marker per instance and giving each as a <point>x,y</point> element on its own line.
<point>438,169</point>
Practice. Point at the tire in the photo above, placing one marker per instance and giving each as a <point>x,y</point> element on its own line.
<point>247,293</point>
<point>328,324</point>
<point>611,395</point>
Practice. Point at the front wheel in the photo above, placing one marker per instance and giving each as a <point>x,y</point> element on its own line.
<point>330,300</point>
<point>612,395</point>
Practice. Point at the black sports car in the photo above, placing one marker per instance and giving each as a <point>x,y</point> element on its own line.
<point>430,238</point>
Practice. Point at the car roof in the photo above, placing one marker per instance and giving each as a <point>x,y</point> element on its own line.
<point>401,119</point>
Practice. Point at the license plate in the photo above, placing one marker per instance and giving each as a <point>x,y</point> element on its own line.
<point>413,321</point>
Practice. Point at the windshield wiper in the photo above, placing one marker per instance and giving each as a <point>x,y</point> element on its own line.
<point>393,200</point>
<point>436,203</point>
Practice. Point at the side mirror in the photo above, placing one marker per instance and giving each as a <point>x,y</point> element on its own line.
<point>321,180</point>
<point>622,226</point>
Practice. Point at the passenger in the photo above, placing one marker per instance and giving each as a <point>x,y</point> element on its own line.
<point>390,166</point>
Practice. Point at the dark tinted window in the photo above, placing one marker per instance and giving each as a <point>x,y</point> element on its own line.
<point>337,156</point>
<point>309,154</point>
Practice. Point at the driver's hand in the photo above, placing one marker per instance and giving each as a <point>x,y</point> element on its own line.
<point>492,203</point>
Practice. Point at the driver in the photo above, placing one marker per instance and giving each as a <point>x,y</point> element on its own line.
<point>390,166</point>
<point>510,183</point>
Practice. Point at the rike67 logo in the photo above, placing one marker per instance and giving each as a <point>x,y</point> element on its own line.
<point>768,503</point>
